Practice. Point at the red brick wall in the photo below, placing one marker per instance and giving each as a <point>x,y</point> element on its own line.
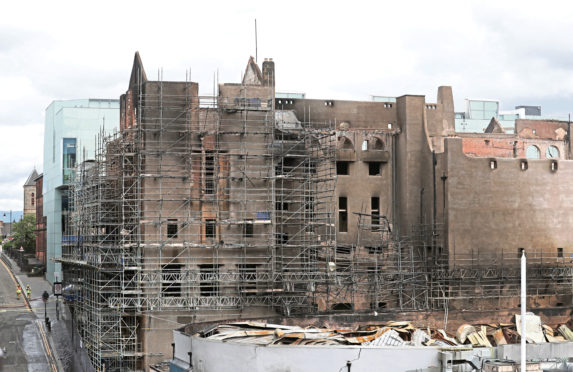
<point>494,147</point>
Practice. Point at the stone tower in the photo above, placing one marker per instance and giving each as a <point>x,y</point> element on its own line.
<point>30,194</point>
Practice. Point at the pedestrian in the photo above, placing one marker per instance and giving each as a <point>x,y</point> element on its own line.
<point>28,291</point>
<point>18,292</point>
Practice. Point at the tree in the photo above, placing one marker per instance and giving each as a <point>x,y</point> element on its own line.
<point>23,233</point>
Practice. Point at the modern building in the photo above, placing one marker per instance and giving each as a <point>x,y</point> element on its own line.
<point>479,112</point>
<point>30,194</point>
<point>246,205</point>
<point>70,133</point>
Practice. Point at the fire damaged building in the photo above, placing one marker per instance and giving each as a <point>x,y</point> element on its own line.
<point>246,204</point>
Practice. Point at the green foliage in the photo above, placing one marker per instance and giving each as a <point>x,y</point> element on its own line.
<point>23,233</point>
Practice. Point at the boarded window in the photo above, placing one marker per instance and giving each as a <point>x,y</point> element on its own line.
<point>532,152</point>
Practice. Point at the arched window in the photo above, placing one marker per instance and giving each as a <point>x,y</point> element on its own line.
<point>345,143</point>
<point>33,201</point>
<point>552,152</point>
<point>532,152</point>
<point>377,144</point>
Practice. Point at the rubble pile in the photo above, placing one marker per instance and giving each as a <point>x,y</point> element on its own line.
<point>401,333</point>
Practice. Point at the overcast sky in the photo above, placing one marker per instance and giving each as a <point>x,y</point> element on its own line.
<point>517,51</point>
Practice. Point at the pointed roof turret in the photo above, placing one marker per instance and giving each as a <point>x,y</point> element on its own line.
<point>137,72</point>
<point>30,181</point>
<point>253,75</point>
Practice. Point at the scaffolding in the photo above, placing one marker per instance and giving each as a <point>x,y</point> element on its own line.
<point>218,203</point>
<point>416,273</point>
<point>225,203</point>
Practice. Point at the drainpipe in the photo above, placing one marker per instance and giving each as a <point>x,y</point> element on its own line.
<point>444,178</point>
<point>395,222</point>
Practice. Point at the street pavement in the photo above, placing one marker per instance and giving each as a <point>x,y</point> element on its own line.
<point>28,345</point>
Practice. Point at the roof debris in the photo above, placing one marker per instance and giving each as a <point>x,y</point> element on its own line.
<point>388,334</point>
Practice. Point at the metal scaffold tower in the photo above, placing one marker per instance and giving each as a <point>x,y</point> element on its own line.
<point>205,203</point>
<point>223,204</point>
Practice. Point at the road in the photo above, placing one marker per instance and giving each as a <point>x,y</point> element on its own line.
<point>23,336</point>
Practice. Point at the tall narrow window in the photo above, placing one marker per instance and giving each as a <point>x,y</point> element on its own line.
<point>248,276</point>
<point>210,228</point>
<point>33,201</point>
<point>172,228</point>
<point>209,173</point>
<point>309,212</point>
<point>560,252</point>
<point>281,206</point>
<point>375,210</point>
<point>248,229</point>
<point>171,279</point>
<point>208,280</point>
<point>342,214</point>
<point>68,158</point>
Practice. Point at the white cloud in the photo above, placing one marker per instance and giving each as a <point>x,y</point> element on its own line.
<point>518,52</point>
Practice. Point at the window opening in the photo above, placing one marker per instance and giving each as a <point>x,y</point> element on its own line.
<point>248,229</point>
<point>342,168</point>
<point>374,168</point>
<point>172,228</point>
<point>342,214</point>
<point>375,210</point>
<point>171,279</point>
<point>210,229</point>
<point>209,174</point>
<point>208,280</point>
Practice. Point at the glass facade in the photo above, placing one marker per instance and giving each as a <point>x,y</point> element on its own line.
<point>68,158</point>
<point>70,131</point>
<point>483,109</point>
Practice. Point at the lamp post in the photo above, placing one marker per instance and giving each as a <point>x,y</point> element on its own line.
<point>45,297</point>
